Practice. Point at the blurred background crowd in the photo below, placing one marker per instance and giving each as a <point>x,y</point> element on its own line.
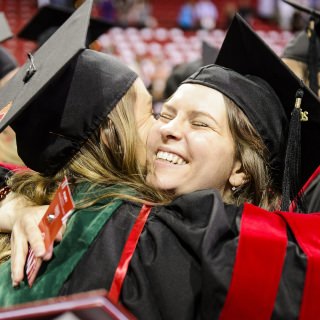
<point>154,36</point>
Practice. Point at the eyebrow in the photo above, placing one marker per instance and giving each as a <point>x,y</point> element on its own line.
<point>206,114</point>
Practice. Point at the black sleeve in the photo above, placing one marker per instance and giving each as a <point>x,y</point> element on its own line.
<point>312,196</point>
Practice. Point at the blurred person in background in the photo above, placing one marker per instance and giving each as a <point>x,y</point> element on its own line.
<point>9,159</point>
<point>285,15</point>
<point>302,56</point>
<point>229,10</point>
<point>64,3</point>
<point>140,15</point>
<point>186,16</point>
<point>266,10</point>
<point>246,10</point>
<point>8,150</point>
<point>206,14</point>
<point>302,53</point>
<point>107,10</point>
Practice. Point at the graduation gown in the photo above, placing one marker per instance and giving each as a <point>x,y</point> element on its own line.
<point>186,263</point>
<point>183,264</point>
<point>311,192</point>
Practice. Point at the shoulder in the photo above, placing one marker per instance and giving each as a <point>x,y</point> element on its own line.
<point>200,207</point>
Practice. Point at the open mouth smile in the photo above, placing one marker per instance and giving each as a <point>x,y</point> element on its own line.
<point>170,157</point>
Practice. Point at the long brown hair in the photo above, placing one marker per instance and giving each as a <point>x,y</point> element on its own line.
<point>259,188</point>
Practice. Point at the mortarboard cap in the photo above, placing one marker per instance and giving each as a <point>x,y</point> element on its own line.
<point>260,74</point>
<point>306,47</point>
<point>209,53</point>
<point>5,31</point>
<point>297,49</point>
<point>45,64</point>
<point>57,108</point>
<point>49,18</point>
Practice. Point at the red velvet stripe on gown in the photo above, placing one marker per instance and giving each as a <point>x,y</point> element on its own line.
<point>306,229</point>
<point>127,254</point>
<point>258,266</point>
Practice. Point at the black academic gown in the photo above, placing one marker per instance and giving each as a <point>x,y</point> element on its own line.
<point>312,195</point>
<point>182,266</point>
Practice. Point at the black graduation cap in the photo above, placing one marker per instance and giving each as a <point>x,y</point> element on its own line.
<point>5,31</point>
<point>260,74</point>
<point>209,53</point>
<point>306,47</point>
<point>184,70</point>
<point>298,47</point>
<point>49,18</point>
<point>58,99</point>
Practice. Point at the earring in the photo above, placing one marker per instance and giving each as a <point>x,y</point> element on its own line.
<point>233,189</point>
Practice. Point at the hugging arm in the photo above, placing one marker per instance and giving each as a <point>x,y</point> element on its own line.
<point>21,218</point>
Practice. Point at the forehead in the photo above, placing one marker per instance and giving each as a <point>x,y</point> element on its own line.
<point>195,97</point>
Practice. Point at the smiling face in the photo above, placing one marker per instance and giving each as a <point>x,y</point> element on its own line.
<point>191,146</point>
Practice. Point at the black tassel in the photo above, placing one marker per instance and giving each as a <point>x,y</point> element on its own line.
<point>312,56</point>
<point>291,177</point>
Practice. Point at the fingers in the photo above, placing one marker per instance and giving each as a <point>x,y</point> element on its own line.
<point>19,250</point>
<point>25,230</point>
<point>29,223</point>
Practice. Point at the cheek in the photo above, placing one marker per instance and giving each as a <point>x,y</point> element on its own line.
<point>208,143</point>
<point>213,151</point>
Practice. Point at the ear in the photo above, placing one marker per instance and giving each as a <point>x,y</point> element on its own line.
<point>238,176</point>
<point>104,137</point>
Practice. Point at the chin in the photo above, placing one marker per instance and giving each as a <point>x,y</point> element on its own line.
<point>164,186</point>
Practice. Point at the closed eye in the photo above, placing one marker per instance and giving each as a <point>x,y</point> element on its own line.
<point>199,124</point>
<point>165,116</point>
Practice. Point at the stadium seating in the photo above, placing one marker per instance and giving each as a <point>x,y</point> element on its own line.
<point>142,48</point>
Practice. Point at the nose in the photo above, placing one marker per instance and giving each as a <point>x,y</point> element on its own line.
<point>172,130</point>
